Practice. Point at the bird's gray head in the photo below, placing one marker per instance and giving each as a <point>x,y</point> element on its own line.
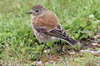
<point>37,10</point>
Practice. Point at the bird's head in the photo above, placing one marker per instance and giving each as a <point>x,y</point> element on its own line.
<point>37,10</point>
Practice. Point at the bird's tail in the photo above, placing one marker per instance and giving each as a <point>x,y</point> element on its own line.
<point>70,40</point>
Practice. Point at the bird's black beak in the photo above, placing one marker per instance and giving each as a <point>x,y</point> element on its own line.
<point>29,12</point>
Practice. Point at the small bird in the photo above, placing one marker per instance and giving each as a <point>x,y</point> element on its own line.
<point>46,25</point>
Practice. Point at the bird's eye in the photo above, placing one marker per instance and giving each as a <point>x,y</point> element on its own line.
<point>37,11</point>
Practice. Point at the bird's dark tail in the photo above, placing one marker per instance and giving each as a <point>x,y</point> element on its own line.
<point>70,40</point>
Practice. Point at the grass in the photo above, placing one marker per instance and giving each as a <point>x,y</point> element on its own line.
<point>80,18</point>
<point>77,60</point>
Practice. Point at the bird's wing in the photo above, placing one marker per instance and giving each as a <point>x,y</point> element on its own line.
<point>58,32</point>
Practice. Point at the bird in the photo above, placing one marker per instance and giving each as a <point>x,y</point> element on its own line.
<point>46,25</point>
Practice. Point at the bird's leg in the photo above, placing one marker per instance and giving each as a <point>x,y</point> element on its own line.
<point>61,47</point>
<point>43,49</point>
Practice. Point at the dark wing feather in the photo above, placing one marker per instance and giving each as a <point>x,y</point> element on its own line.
<point>58,32</point>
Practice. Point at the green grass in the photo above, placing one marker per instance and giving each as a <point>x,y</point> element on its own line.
<point>80,18</point>
<point>87,60</point>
